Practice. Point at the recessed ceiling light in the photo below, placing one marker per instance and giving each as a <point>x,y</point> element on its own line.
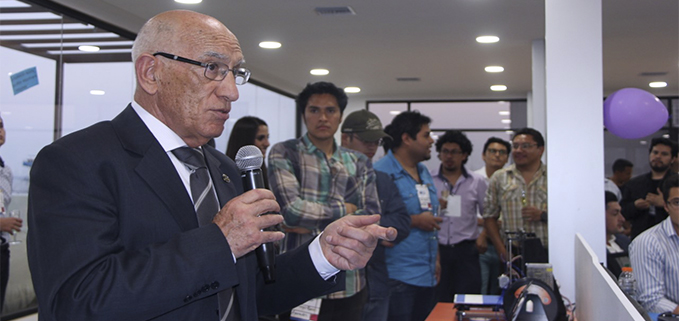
<point>503,112</point>
<point>78,52</point>
<point>29,16</point>
<point>395,112</point>
<point>498,87</point>
<point>319,72</point>
<point>97,92</point>
<point>487,39</point>
<point>643,142</point>
<point>657,84</point>
<point>76,44</point>
<point>188,1</point>
<point>53,26</point>
<point>13,4</point>
<point>352,90</point>
<point>506,121</point>
<point>494,69</point>
<point>88,48</point>
<point>60,36</point>
<point>270,44</point>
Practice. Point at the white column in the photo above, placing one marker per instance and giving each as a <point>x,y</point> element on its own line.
<point>536,106</point>
<point>574,113</point>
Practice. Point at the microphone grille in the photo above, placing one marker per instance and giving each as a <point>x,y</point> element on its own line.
<point>249,157</point>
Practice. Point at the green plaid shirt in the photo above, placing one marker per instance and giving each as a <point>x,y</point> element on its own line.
<point>312,190</point>
<point>507,193</point>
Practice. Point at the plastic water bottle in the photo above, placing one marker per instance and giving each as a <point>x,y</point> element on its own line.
<point>627,282</point>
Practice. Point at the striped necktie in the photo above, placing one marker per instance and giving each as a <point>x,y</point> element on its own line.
<point>206,205</point>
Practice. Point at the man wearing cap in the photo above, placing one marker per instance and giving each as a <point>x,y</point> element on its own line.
<point>362,131</point>
<point>316,182</point>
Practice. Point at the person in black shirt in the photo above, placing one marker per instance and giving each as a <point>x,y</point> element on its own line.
<point>642,201</point>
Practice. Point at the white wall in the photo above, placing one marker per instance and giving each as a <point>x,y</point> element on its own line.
<point>574,111</point>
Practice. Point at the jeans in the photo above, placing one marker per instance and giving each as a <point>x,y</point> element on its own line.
<point>490,270</point>
<point>410,302</point>
<point>344,309</point>
<point>377,306</point>
<point>460,270</point>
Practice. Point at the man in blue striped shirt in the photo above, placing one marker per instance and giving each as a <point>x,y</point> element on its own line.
<point>655,256</point>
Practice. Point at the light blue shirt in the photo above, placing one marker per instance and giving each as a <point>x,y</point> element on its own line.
<point>413,260</point>
<point>655,264</point>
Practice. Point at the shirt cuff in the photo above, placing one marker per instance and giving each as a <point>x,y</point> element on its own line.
<point>324,268</point>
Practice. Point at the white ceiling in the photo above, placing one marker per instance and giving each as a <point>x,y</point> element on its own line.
<point>432,39</point>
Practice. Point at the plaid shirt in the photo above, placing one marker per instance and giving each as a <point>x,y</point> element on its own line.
<point>506,194</point>
<point>312,190</point>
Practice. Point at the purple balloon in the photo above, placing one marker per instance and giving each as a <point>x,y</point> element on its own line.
<point>633,113</point>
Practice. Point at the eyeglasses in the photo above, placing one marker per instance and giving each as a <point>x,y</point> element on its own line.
<point>502,152</point>
<point>523,145</point>
<point>377,142</point>
<point>674,202</point>
<point>213,70</point>
<point>453,152</point>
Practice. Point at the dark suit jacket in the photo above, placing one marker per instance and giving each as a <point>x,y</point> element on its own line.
<point>114,235</point>
<point>394,214</point>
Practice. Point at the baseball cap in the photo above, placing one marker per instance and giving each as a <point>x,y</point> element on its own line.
<point>364,124</point>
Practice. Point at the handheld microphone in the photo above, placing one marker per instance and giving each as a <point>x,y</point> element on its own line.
<point>249,160</point>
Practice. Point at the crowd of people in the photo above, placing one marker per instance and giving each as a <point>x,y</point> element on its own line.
<point>148,201</point>
<point>451,221</point>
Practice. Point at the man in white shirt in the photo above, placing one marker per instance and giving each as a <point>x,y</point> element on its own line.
<point>655,256</point>
<point>495,155</point>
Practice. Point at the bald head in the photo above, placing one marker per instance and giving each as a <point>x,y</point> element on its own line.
<point>176,30</point>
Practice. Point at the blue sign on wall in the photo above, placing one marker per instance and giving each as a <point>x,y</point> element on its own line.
<point>24,79</point>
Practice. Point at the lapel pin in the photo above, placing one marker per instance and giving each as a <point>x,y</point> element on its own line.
<point>226,178</point>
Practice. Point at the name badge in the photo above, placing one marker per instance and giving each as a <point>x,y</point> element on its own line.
<point>423,196</point>
<point>454,208</point>
<point>307,311</point>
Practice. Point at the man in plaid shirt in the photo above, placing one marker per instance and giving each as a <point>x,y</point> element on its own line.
<point>317,181</point>
<point>518,193</point>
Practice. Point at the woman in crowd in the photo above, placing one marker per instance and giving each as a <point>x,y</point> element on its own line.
<point>249,130</point>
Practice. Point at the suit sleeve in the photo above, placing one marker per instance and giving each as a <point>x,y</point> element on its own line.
<point>297,281</point>
<point>394,213</point>
<point>88,245</point>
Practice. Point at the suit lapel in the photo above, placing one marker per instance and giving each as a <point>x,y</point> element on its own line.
<point>226,179</point>
<point>154,166</point>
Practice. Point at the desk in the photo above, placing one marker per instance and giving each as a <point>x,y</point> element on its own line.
<point>444,312</point>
